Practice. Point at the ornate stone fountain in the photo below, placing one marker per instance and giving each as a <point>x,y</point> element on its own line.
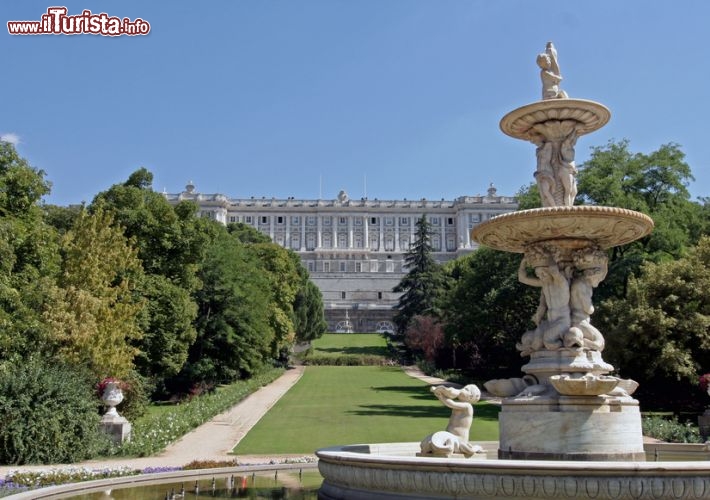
<point>567,428</point>
<point>564,255</point>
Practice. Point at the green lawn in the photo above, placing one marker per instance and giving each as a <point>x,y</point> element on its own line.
<point>336,344</point>
<point>333,405</point>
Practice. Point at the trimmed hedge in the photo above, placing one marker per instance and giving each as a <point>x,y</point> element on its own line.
<point>347,360</point>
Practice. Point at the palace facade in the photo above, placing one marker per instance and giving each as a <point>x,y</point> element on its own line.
<point>354,249</point>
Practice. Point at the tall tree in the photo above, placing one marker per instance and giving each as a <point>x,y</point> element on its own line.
<point>234,334</point>
<point>93,314</point>
<point>654,184</point>
<point>424,283</point>
<point>660,333</point>
<point>30,255</point>
<point>487,310</point>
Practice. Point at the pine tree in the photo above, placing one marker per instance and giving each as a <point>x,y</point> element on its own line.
<point>425,282</point>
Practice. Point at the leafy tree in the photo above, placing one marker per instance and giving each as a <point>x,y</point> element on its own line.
<point>425,337</point>
<point>30,255</point>
<point>171,244</point>
<point>423,284</point>
<point>309,319</point>
<point>93,313</point>
<point>662,329</point>
<point>487,311</point>
<point>234,334</point>
<point>654,184</point>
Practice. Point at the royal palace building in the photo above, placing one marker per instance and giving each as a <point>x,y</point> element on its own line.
<point>354,249</point>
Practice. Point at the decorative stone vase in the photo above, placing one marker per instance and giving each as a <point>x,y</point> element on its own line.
<point>112,397</point>
<point>704,424</point>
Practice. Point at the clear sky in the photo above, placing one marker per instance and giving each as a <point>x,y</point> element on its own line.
<point>401,98</point>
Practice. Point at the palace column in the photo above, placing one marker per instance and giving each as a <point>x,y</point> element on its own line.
<point>367,234</point>
<point>396,233</point>
<point>287,239</point>
<point>303,233</point>
<point>350,231</point>
<point>319,230</point>
<point>442,220</point>
<point>382,233</point>
<point>334,225</point>
<point>271,227</point>
<point>411,231</point>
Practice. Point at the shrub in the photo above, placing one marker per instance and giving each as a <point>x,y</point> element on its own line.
<point>670,430</point>
<point>48,414</point>
<point>347,360</point>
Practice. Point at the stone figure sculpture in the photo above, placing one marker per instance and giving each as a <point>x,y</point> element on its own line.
<point>455,438</point>
<point>553,314</point>
<point>591,268</point>
<point>550,74</point>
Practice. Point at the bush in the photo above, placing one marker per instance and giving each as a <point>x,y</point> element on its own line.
<point>347,360</point>
<point>135,396</point>
<point>670,430</point>
<point>48,414</point>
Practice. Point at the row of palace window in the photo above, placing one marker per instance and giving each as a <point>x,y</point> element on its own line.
<point>388,242</point>
<point>311,220</point>
<point>349,266</point>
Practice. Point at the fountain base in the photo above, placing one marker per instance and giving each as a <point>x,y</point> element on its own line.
<point>585,428</point>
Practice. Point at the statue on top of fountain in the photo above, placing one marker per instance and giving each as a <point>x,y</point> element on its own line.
<point>550,73</point>
<point>555,141</point>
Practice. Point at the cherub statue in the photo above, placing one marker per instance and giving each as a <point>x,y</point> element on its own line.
<point>455,438</point>
<point>550,74</point>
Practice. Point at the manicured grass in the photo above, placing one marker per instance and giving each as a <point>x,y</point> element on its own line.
<point>333,405</point>
<point>338,344</point>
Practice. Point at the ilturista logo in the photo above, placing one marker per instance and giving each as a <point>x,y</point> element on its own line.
<point>58,21</point>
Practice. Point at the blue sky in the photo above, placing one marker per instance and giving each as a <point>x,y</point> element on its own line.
<point>294,98</point>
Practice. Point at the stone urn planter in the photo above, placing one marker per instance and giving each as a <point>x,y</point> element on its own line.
<point>111,397</point>
<point>117,427</point>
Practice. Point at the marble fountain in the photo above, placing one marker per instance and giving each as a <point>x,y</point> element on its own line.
<point>567,428</point>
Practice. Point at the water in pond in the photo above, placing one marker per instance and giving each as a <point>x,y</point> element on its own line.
<point>292,485</point>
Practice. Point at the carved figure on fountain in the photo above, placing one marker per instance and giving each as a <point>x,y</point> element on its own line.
<point>455,438</point>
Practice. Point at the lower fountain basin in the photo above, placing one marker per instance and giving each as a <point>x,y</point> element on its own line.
<point>392,471</point>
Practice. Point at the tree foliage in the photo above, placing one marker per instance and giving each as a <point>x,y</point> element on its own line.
<point>654,184</point>
<point>663,327</point>
<point>424,283</point>
<point>488,309</point>
<point>93,313</point>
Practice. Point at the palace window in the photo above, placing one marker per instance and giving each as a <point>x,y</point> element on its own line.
<point>326,266</point>
<point>434,221</point>
<point>450,243</point>
<point>379,295</point>
<point>311,220</point>
<point>390,266</point>
<point>343,221</point>
<point>295,219</point>
<point>450,221</point>
<point>343,266</point>
<point>326,241</point>
<point>279,219</point>
<point>310,241</point>
<point>248,219</point>
<point>311,266</point>
<point>264,219</point>
<point>342,240</point>
<point>404,221</point>
<point>358,267</point>
<point>389,221</point>
<point>373,220</point>
<point>342,295</point>
<point>232,218</point>
<point>327,221</point>
<point>358,221</point>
